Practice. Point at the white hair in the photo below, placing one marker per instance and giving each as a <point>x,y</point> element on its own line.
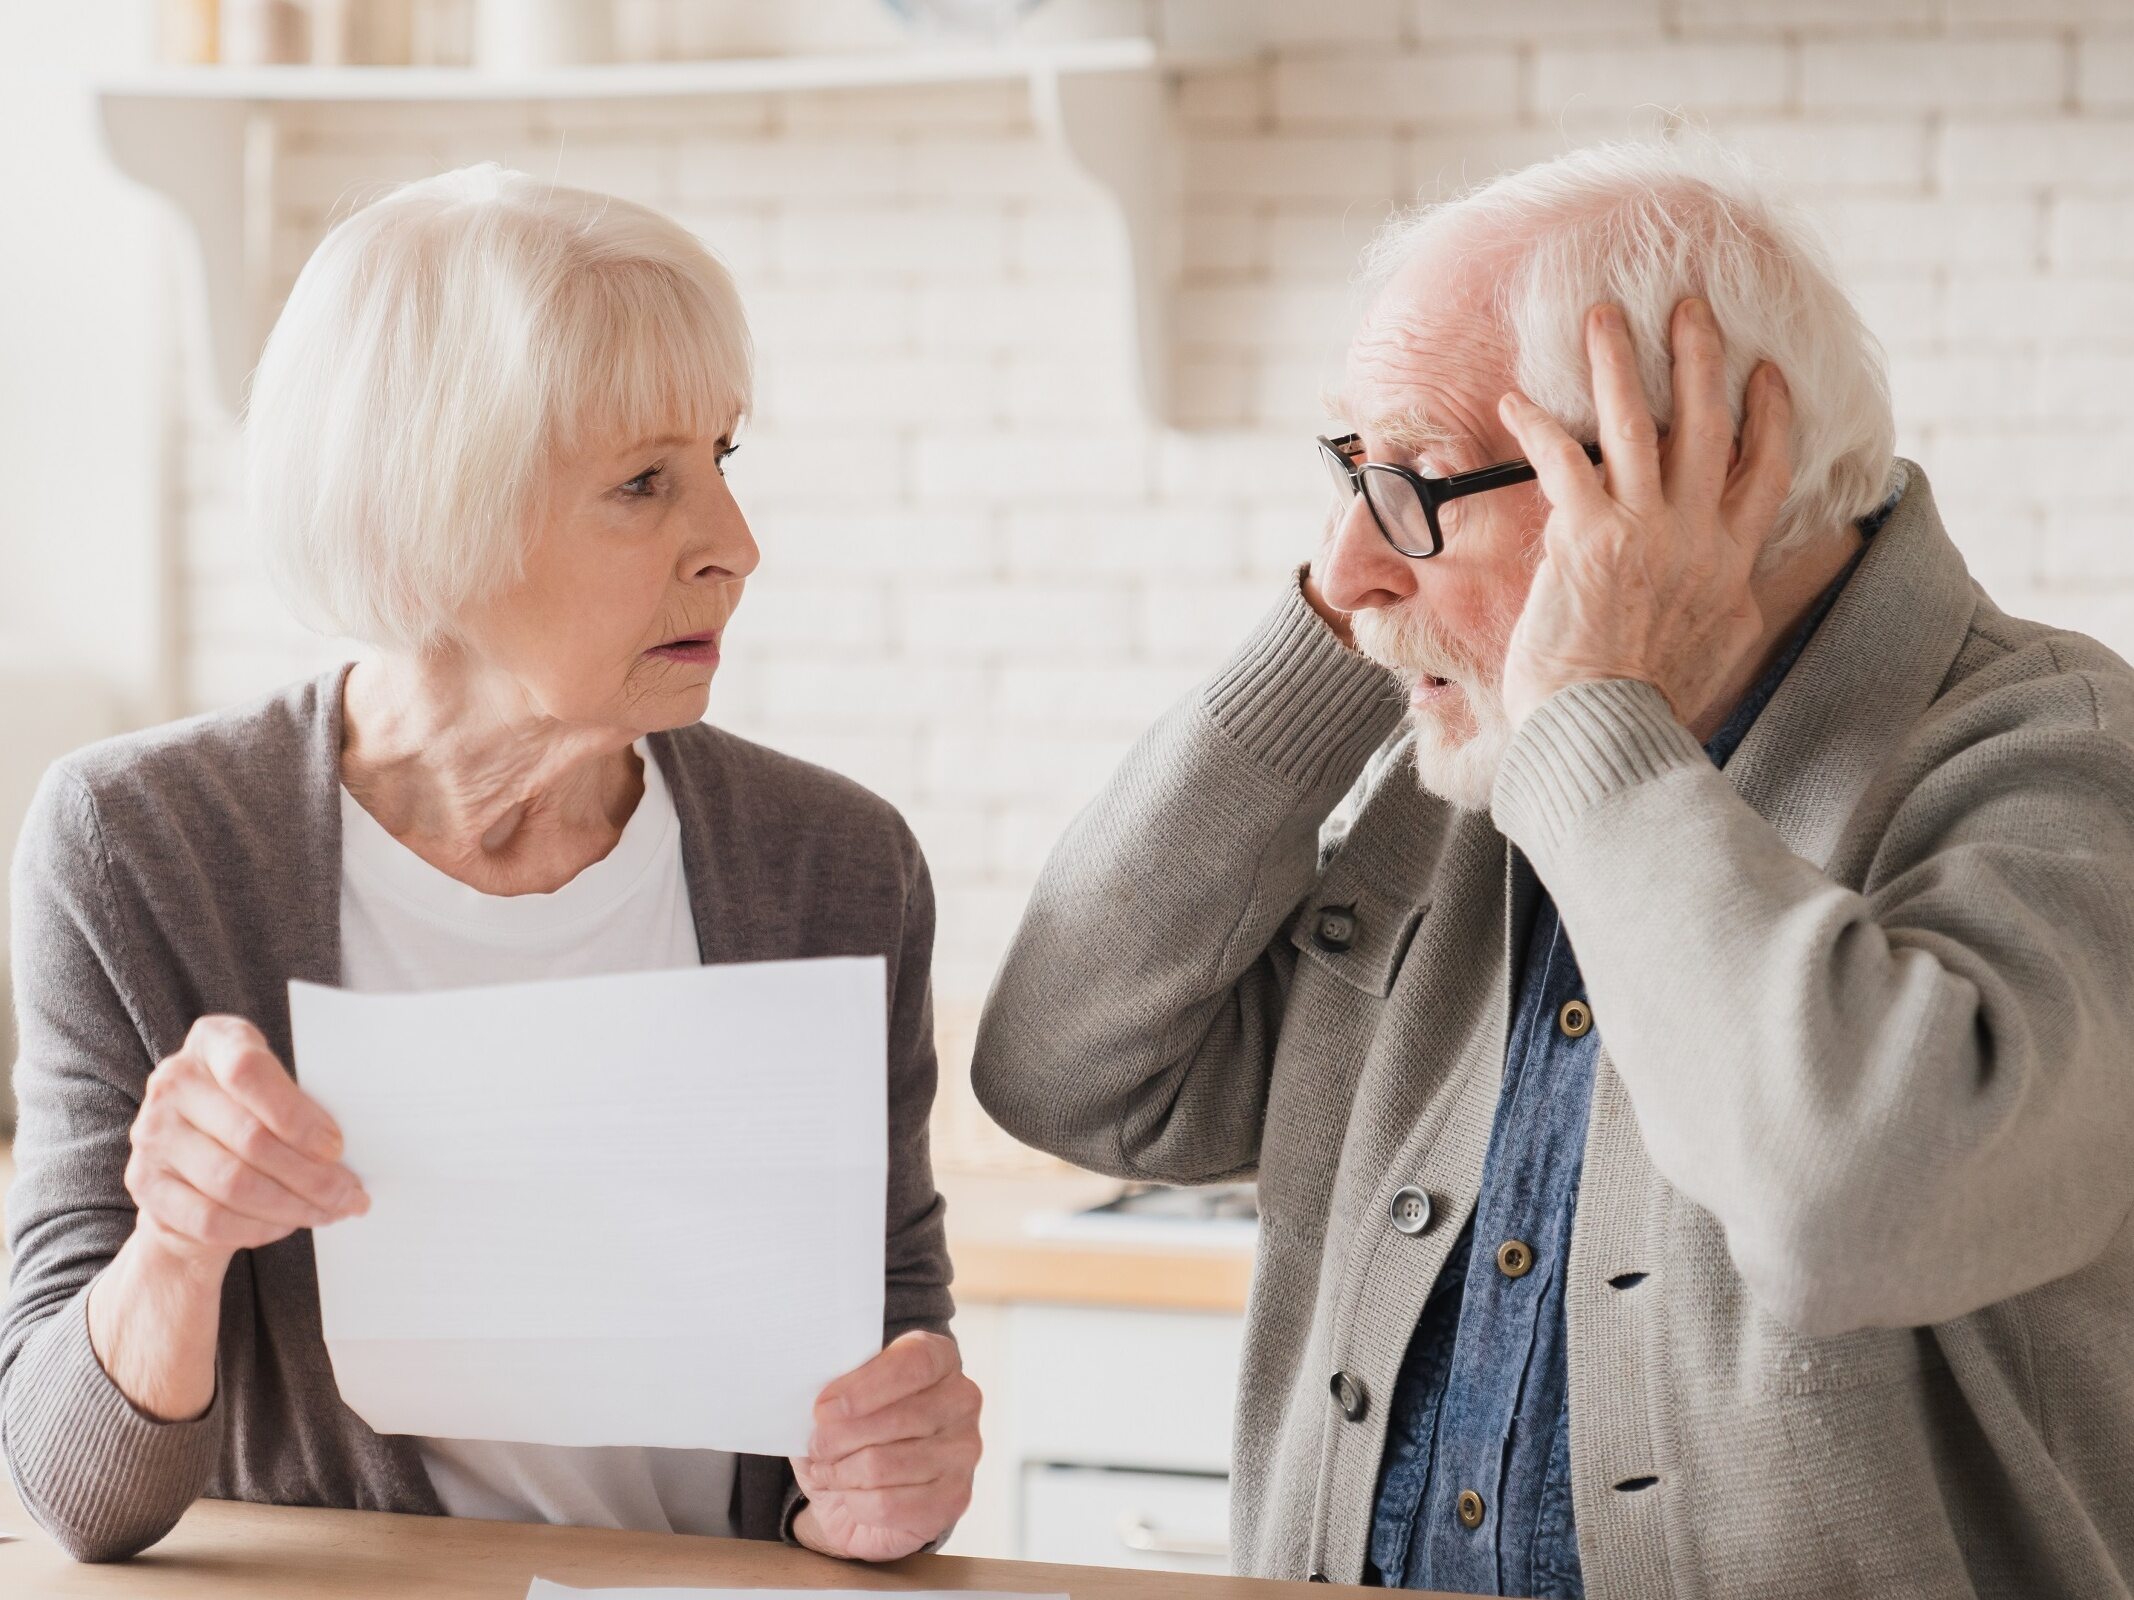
<point>440,343</point>
<point>1644,224</point>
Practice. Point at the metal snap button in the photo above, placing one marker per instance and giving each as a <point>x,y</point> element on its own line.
<point>1575,1019</point>
<point>1515,1258</point>
<point>1470,1508</point>
<point>1350,1395</point>
<point>1411,1210</point>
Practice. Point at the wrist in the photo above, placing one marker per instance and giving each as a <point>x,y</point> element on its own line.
<point>153,1317</point>
<point>166,1263</point>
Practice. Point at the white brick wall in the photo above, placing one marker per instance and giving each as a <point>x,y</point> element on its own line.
<point>985,572</point>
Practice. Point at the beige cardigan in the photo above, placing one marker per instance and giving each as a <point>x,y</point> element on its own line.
<point>1864,1116</point>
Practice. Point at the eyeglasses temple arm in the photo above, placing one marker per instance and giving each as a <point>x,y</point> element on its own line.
<point>1502,475</point>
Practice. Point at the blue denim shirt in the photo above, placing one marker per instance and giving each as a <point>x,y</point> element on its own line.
<point>1474,1487</point>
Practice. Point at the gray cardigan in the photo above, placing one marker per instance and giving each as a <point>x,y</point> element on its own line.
<point>196,868</point>
<point>1851,1287</point>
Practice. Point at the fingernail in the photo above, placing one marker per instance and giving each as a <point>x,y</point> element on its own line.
<point>1611,318</point>
<point>1777,380</point>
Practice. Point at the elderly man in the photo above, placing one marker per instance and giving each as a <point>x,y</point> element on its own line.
<point>1678,1014</point>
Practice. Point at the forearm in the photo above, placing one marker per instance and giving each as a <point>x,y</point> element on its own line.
<point>154,1323</point>
<point>1935,1069</point>
<point>103,1476</point>
<point>1134,1016</point>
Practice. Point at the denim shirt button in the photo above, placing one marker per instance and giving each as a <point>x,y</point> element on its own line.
<point>1515,1258</point>
<point>1411,1210</point>
<point>1470,1509</point>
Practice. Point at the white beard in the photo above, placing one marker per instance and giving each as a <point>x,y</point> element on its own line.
<point>1463,770</point>
<point>1460,739</point>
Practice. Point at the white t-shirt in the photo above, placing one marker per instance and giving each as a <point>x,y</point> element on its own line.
<point>405,925</point>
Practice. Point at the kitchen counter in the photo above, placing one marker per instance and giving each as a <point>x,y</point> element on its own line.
<point>998,1263</point>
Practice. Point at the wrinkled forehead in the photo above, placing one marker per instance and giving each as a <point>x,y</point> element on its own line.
<point>1431,355</point>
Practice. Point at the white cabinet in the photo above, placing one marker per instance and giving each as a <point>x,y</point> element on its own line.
<point>1109,1436</point>
<point>1163,1521</point>
<point>1115,1388</point>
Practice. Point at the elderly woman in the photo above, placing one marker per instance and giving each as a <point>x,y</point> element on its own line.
<point>489,437</point>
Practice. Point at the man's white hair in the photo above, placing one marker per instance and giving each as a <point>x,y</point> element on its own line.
<point>1643,225</point>
<point>437,347</point>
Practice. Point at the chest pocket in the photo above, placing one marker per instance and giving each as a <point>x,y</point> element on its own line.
<point>1351,933</point>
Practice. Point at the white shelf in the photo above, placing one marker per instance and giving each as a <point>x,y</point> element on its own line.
<point>652,79</point>
<point>206,137</point>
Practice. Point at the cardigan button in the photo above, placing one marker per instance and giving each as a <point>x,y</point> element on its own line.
<point>1350,1395</point>
<point>1336,929</point>
<point>1411,1210</point>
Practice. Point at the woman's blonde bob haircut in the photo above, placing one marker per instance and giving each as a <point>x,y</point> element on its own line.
<point>438,346</point>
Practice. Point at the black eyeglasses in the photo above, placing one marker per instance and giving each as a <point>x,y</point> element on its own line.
<point>1404,503</point>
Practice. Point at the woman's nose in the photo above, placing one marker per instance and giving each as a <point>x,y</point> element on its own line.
<point>728,550</point>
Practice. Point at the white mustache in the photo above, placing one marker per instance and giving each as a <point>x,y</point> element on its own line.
<point>1413,645</point>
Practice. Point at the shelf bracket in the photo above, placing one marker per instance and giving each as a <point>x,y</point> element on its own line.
<point>214,160</point>
<point>1115,127</point>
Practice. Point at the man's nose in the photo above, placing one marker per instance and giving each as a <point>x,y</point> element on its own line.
<point>1362,570</point>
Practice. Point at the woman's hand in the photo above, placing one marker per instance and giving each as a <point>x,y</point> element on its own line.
<point>228,1155</point>
<point>896,1440</point>
<point>1646,575</point>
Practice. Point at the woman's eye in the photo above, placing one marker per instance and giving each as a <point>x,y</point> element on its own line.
<point>641,485</point>
<point>727,455</point>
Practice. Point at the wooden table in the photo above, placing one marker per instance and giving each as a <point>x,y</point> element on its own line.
<point>226,1551</point>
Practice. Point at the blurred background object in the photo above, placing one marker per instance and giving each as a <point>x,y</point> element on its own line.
<point>529,35</point>
<point>264,33</point>
<point>988,20</point>
<point>1043,330</point>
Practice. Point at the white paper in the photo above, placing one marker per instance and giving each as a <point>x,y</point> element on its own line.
<point>544,1590</point>
<point>644,1209</point>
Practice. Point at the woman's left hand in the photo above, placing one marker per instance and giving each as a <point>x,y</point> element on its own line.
<point>889,1467</point>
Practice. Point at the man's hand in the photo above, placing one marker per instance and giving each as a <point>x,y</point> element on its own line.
<point>896,1441</point>
<point>1645,573</point>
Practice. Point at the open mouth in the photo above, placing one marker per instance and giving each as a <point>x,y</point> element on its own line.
<point>1428,688</point>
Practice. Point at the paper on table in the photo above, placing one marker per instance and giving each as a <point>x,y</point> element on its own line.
<point>644,1209</point>
<point>544,1590</point>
